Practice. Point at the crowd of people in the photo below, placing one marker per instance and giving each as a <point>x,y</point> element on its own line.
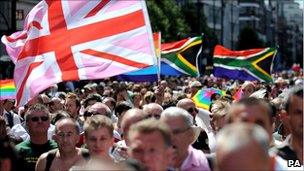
<point>116,125</point>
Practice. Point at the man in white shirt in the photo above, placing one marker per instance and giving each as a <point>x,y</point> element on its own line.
<point>10,117</point>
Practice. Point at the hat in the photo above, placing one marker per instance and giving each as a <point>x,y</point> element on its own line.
<point>195,84</point>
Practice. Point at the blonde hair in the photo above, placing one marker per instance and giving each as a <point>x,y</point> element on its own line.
<point>220,107</point>
<point>75,97</point>
<point>152,125</point>
<point>98,121</point>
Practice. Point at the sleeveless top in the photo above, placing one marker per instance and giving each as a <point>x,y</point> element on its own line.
<point>51,155</point>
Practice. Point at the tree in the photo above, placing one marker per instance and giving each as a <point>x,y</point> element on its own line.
<point>166,17</point>
<point>249,39</point>
<point>195,18</point>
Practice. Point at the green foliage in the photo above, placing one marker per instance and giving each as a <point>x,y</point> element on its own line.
<point>249,39</point>
<point>166,17</point>
<point>178,22</point>
<point>197,23</point>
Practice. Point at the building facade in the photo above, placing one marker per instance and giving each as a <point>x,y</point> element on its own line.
<point>288,22</point>
<point>223,19</point>
<point>253,14</point>
<point>12,15</point>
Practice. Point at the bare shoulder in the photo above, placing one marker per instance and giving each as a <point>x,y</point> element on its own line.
<point>41,162</point>
<point>83,155</point>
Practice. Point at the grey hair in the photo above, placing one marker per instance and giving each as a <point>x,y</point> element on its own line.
<point>238,135</point>
<point>295,91</point>
<point>150,106</point>
<point>178,112</point>
<point>36,107</point>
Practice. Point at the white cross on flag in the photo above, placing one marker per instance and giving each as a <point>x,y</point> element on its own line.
<point>77,40</point>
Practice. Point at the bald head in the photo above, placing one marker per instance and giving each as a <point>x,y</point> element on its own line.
<point>183,103</point>
<point>188,105</point>
<point>100,109</point>
<point>64,123</point>
<point>129,118</point>
<point>152,110</point>
<point>232,154</point>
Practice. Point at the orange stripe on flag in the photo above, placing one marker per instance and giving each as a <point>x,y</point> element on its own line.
<point>222,51</point>
<point>115,58</point>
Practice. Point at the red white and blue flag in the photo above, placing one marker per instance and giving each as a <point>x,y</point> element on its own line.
<point>77,40</point>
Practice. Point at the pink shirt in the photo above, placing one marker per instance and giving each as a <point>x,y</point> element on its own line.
<point>196,160</point>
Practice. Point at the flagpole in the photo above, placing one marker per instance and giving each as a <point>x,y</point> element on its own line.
<point>198,55</point>
<point>159,55</point>
<point>147,18</point>
<point>274,56</point>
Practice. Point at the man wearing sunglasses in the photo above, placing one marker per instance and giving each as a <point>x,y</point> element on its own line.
<point>201,116</point>
<point>201,141</point>
<point>37,122</point>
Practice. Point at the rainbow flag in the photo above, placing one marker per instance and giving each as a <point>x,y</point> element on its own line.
<point>202,98</point>
<point>7,89</point>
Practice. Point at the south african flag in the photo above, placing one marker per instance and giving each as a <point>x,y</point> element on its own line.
<point>181,57</point>
<point>252,64</point>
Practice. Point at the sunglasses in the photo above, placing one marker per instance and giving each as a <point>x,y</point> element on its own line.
<point>42,118</point>
<point>153,116</point>
<point>192,110</point>
<point>88,114</point>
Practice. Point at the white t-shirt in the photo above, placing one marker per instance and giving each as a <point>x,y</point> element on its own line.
<point>16,118</point>
<point>18,131</point>
<point>202,119</point>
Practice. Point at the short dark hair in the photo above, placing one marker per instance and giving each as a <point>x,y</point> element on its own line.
<point>93,96</point>
<point>122,107</point>
<point>36,107</point>
<point>58,115</point>
<point>250,101</point>
<point>111,99</point>
<point>295,91</point>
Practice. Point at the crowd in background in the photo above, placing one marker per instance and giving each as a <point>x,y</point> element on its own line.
<point>117,125</point>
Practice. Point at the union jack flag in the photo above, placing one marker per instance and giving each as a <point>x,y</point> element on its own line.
<point>76,40</point>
